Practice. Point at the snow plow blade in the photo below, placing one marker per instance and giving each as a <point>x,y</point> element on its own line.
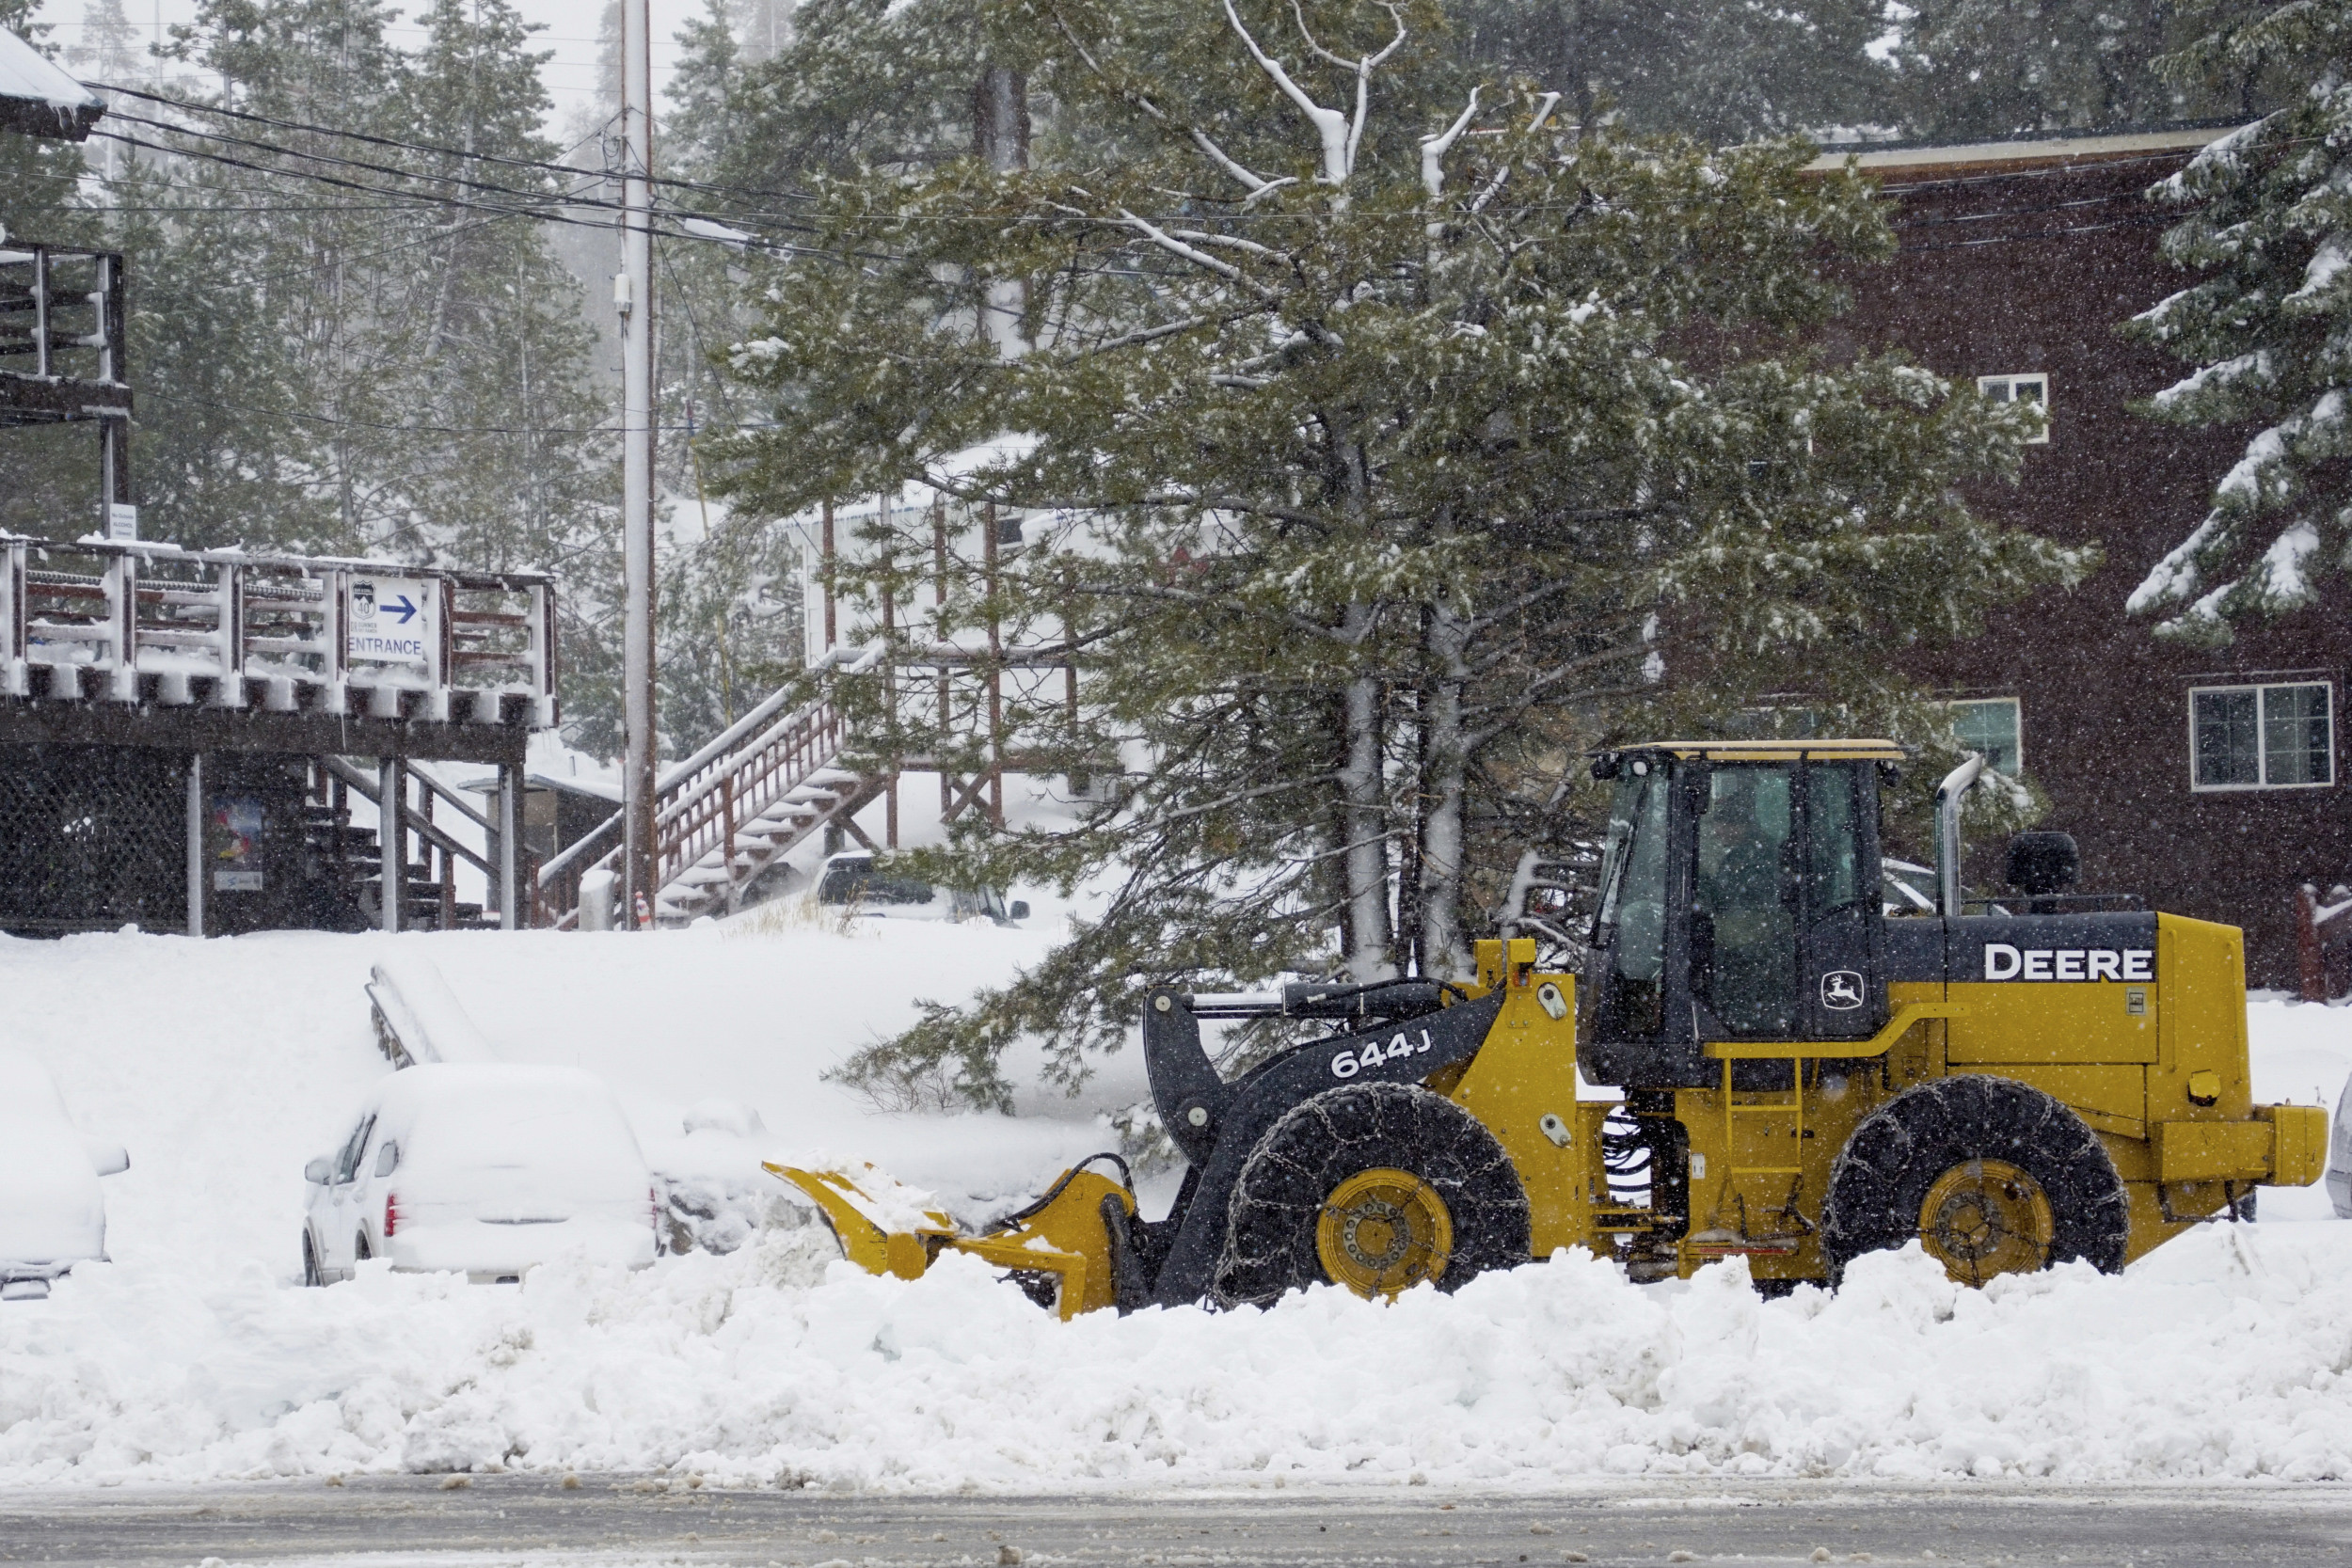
<point>1061,1243</point>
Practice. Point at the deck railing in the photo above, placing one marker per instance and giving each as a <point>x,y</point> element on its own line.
<point>128,622</point>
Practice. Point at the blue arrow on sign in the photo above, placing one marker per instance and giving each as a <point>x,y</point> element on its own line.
<point>403,608</point>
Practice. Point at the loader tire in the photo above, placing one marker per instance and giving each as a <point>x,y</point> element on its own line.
<point>1378,1187</point>
<point>1990,1175</point>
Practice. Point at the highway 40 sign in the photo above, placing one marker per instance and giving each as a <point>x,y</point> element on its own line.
<point>391,618</point>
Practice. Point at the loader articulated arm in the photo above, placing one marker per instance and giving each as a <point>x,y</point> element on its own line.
<point>1186,1090</point>
<point>1083,1245</point>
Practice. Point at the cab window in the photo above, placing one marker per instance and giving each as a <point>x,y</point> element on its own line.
<point>1745,925</point>
<point>1834,879</point>
<point>1632,916</point>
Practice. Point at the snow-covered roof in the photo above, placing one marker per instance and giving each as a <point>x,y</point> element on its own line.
<point>2018,151</point>
<point>38,98</point>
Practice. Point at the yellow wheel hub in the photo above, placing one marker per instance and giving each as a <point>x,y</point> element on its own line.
<point>1382,1232</point>
<point>1984,1217</point>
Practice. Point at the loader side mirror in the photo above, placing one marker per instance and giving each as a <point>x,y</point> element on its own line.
<point>2042,864</point>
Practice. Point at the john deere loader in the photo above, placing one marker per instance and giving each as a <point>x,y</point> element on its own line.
<point>1806,1078</point>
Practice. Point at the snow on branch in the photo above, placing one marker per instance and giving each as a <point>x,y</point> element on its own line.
<point>1434,149</point>
<point>1544,107</point>
<point>1339,136</point>
<point>1257,184</point>
<point>1175,247</point>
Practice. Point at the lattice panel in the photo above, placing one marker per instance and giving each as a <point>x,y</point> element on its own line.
<point>92,838</point>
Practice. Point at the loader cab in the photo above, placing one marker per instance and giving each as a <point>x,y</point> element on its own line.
<point>1740,901</point>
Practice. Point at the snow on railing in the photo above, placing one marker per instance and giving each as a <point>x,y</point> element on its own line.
<point>419,1019</point>
<point>130,622</point>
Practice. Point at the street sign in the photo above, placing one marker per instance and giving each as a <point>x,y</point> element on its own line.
<point>391,618</point>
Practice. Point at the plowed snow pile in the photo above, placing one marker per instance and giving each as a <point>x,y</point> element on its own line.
<point>193,1355</point>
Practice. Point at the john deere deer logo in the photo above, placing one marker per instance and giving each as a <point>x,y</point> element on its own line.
<point>1841,989</point>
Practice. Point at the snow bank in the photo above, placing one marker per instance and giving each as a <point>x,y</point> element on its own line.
<point>2224,1356</point>
<point>224,1065</point>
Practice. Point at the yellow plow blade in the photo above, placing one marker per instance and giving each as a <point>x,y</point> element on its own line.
<point>888,1228</point>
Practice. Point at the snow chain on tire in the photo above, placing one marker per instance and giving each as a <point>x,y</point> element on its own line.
<point>1882,1176</point>
<point>1270,1242</point>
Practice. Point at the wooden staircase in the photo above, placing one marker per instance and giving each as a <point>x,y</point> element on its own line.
<point>730,811</point>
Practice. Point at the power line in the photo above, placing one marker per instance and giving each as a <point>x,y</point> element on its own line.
<point>564,198</point>
<point>444,151</point>
<point>541,213</point>
<point>338,423</point>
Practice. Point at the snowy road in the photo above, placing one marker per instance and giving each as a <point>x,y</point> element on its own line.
<point>525,1522</point>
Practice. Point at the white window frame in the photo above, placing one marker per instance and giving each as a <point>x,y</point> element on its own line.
<point>2262,748</point>
<point>2016,705</point>
<point>2009,385</point>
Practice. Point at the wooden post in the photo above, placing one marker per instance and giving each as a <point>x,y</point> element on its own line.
<point>890,677</point>
<point>824,570</point>
<point>509,856</point>
<point>996,675</point>
<point>2310,955</point>
<point>391,782</point>
<point>942,671</point>
<point>726,829</point>
<point>196,844</point>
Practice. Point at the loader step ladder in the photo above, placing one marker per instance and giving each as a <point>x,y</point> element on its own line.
<point>1909,1015</point>
<point>1793,1107</point>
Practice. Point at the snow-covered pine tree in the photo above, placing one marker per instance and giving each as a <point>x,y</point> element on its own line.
<point>2268,225</point>
<point>1416,439</point>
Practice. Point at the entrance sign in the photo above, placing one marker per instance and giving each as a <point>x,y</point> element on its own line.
<point>391,618</point>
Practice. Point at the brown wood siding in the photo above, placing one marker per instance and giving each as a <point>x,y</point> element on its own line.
<point>2032,271</point>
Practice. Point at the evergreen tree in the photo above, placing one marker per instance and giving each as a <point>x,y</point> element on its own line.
<point>110,50</point>
<point>1718,71</point>
<point>2267,225</point>
<point>1973,69</point>
<point>1414,462</point>
<point>886,83</point>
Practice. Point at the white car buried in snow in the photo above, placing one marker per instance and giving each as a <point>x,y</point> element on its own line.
<point>481,1168</point>
<point>51,1214</point>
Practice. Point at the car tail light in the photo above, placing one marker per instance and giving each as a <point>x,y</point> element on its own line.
<point>391,1214</point>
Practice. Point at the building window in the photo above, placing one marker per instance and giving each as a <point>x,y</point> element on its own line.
<point>2021,389</point>
<point>2263,737</point>
<point>1991,725</point>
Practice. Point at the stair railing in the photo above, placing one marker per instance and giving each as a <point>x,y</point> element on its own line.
<point>729,781</point>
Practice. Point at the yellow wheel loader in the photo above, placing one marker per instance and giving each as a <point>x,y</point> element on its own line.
<point>1806,1076</point>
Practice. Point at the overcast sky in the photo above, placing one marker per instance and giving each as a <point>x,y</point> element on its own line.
<point>569,31</point>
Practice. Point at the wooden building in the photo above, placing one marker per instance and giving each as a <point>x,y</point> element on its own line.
<point>177,727</point>
<point>2209,780</point>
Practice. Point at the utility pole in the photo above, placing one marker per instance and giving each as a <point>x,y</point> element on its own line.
<point>634,296</point>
